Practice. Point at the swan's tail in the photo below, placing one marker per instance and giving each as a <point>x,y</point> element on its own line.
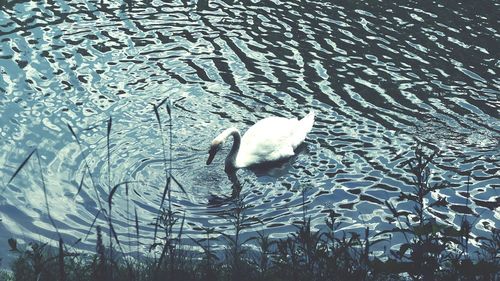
<point>305,126</point>
<point>307,122</point>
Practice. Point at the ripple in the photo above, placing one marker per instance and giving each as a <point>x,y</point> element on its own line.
<point>378,75</point>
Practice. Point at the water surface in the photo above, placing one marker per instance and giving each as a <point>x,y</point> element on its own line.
<point>379,76</point>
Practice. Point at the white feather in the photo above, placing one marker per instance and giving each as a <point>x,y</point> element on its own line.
<point>270,139</point>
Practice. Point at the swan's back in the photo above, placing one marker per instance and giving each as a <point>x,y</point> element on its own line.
<point>271,139</point>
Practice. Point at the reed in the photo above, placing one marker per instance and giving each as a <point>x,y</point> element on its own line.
<point>262,260</point>
<point>62,273</point>
<point>304,255</point>
<point>236,251</point>
<point>91,176</point>
<point>207,265</point>
<point>326,253</point>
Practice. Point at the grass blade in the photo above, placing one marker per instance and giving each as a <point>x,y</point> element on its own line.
<point>108,134</point>
<point>136,223</point>
<point>182,227</point>
<point>92,225</point>
<point>162,102</point>
<point>112,230</point>
<point>169,105</point>
<point>157,114</point>
<point>179,100</point>
<point>128,216</point>
<point>137,231</point>
<point>87,166</point>
<point>80,185</point>
<point>21,166</point>
<point>62,273</point>
<point>76,242</point>
<point>167,186</point>
<point>45,194</point>
<point>73,133</point>
<point>110,122</point>
<point>179,184</point>
<point>114,235</point>
<point>112,193</point>
<point>137,193</point>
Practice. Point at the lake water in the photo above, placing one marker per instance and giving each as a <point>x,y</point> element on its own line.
<point>379,76</point>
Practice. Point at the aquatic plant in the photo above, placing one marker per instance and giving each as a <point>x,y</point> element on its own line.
<point>235,247</point>
<point>207,266</point>
<point>432,249</point>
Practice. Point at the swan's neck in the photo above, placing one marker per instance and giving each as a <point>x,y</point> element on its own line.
<point>231,157</point>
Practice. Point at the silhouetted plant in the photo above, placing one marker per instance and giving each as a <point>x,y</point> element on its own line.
<point>431,250</point>
<point>236,247</point>
<point>100,263</point>
<point>262,261</point>
<point>208,271</point>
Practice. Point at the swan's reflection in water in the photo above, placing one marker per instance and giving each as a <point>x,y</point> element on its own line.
<point>236,187</point>
<point>268,171</point>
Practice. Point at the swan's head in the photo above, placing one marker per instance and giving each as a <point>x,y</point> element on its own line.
<point>214,148</point>
<point>218,142</point>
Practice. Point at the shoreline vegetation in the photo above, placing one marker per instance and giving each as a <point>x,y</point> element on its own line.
<point>431,248</point>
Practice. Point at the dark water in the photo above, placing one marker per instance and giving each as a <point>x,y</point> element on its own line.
<point>379,76</point>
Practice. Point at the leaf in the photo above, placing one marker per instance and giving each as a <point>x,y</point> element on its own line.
<point>441,202</point>
<point>92,225</point>
<point>162,102</point>
<point>114,234</point>
<point>394,230</point>
<point>80,185</point>
<point>179,100</point>
<point>182,226</point>
<point>73,133</point>
<point>137,193</point>
<point>391,208</point>
<point>179,184</point>
<point>248,240</point>
<point>155,109</point>
<point>168,105</point>
<point>13,245</point>
<point>110,122</point>
<point>403,249</point>
<point>425,229</point>
<point>45,194</point>
<point>113,190</point>
<point>167,187</point>
<point>21,166</point>
<point>77,241</point>
<point>136,223</point>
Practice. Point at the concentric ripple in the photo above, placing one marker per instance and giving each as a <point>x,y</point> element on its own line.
<point>379,75</point>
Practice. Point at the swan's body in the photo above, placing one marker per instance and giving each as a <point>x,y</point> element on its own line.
<point>270,139</point>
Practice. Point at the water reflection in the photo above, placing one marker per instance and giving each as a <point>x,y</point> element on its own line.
<point>378,75</point>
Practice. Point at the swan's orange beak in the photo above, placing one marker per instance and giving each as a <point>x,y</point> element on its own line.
<point>211,153</point>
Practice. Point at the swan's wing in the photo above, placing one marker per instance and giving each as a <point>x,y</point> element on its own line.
<point>269,139</point>
<point>304,126</point>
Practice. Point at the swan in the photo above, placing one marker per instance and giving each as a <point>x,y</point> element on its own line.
<point>270,139</point>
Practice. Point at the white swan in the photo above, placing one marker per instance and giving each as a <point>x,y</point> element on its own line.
<point>270,139</point>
